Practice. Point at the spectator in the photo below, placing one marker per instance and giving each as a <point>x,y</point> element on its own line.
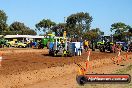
<point>86,45</point>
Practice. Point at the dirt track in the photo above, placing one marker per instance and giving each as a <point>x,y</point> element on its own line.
<point>16,61</point>
<point>69,80</point>
<point>22,67</point>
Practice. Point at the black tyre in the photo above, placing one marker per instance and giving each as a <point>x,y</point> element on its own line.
<point>101,48</point>
<point>70,54</point>
<point>111,51</point>
<point>9,45</point>
<point>20,46</point>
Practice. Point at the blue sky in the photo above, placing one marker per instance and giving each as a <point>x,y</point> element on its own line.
<point>104,12</point>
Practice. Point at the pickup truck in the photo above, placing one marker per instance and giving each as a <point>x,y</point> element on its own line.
<point>16,44</point>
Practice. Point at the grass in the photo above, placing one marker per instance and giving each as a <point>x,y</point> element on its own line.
<point>124,70</point>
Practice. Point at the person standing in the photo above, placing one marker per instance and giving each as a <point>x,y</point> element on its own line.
<point>86,45</point>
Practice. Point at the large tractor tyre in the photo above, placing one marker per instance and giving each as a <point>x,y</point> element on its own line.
<point>39,47</point>
<point>100,49</point>
<point>81,80</point>
<point>103,49</point>
<point>111,51</point>
<point>93,48</point>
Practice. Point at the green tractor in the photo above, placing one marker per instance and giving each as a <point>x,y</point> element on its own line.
<point>105,44</point>
<point>45,41</point>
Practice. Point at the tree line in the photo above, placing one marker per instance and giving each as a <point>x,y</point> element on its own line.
<point>122,32</point>
<point>15,28</point>
<point>77,25</point>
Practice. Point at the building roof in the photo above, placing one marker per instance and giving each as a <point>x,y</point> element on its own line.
<point>23,36</point>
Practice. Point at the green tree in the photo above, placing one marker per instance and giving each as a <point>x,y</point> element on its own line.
<point>129,33</point>
<point>78,23</point>
<point>3,19</point>
<point>130,29</point>
<point>20,28</point>
<point>45,25</point>
<point>17,26</point>
<point>92,34</point>
<point>120,29</point>
<point>59,29</point>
